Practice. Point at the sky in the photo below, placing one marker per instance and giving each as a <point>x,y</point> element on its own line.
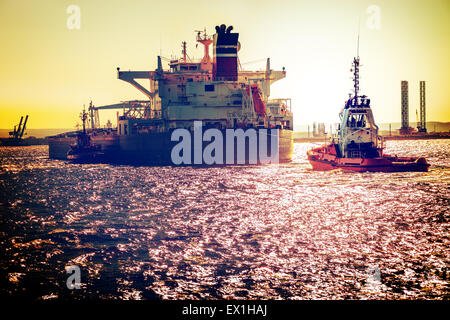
<point>49,70</point>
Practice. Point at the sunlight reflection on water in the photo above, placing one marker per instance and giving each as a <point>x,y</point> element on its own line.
<point>249,232</point>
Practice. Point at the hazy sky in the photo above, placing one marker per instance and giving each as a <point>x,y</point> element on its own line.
<point>49,71</point>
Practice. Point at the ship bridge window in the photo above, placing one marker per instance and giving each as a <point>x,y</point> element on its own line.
<point>355,154</point>
<point>358,121</point>
<point>193,68</point>
<point>209,87</point>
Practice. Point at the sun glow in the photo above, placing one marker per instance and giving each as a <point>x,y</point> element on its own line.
<point>50,70</point>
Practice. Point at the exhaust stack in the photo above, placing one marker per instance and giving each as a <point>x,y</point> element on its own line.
<point>225,58</point>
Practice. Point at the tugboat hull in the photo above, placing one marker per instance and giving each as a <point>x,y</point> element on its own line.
<point>323,162</point>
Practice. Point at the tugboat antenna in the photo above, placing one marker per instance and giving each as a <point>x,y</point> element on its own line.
<point>357,45</point>
<point>356,66</point>
<point>357,50</point>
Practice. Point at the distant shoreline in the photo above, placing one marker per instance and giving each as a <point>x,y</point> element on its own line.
<point>432,136</point>
<point>37,133</point>
<point>42,133</point>
<point>300,130</point>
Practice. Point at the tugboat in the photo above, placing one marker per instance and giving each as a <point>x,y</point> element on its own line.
<point>357,146</point>
<point>84,150</point>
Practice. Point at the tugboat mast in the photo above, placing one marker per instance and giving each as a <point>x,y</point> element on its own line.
<point>356,76</point>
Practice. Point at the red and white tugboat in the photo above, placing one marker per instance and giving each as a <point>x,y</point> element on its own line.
<point>357,145</point>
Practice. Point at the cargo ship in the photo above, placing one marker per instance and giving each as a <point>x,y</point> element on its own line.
<point>209,111</point>
<point>357,146</point>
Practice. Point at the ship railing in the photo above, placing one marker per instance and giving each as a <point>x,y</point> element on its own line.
<point>283,105</point>
<point>239,116</point>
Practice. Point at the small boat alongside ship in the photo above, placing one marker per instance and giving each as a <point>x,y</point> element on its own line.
<point>84,150</point>
<point>357,146</point>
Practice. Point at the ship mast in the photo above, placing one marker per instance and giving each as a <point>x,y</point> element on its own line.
<point>183,45</point>
<point>83,117</point>
<point>206,41</point>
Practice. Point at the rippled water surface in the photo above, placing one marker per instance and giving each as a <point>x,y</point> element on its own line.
<point>270,232</point>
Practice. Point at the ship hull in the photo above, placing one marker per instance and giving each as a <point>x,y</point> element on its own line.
<point>156,148</point>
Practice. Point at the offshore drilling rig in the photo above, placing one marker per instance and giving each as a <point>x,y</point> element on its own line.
<point>421,124</point>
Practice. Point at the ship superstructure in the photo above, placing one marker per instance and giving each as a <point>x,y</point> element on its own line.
<point>212,90</point>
